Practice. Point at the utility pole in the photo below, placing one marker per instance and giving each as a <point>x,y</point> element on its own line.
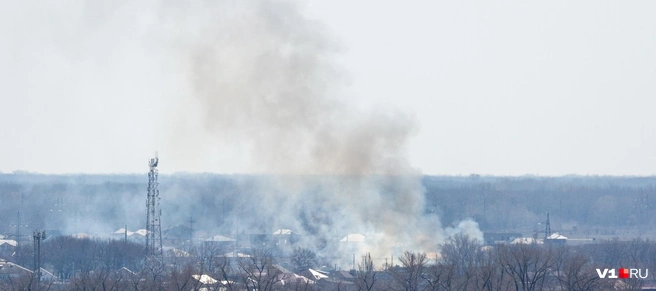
<point>19,237</point>
<point>191,230</point>
<point>38,237</point>
<point>18,226</point>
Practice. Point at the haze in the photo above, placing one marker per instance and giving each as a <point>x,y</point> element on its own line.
<point>504,88</point>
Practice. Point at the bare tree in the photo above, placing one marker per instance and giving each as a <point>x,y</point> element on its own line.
<point>152,273</point>
<point>182,280</point>
<point>20,283</point>
<point>95,280</point>
<point>303,259</point>
<point>207,252</point>
<point>367,277</point>
<point>527,264</point>
<point>490,274</point>
<point>408,276</point>
<point>225,272</point>
<point>574,271</point>
<point>463,258</point>
<point>259,272</point>
<point>439,277</point>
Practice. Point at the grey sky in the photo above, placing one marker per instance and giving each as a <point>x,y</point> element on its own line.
<point>497,87</point>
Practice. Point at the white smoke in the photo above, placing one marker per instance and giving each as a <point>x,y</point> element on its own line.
<point>259,76</point>
<point>263,75</point>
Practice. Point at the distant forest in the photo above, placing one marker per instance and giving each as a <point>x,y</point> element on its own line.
<point>578,205</point>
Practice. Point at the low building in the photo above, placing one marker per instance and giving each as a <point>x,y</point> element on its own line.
<point>556,238</point>
<point>219,242</point>
<point>136,236</point>
<point>7,246</point>
<point>526,240</point>
<point>177,235</point>
<point>492,238</point>
<point>282,237</point>
<point>10,271</point>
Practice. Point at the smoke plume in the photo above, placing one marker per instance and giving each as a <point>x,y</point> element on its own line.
<point>265,76</point>
<point>257,78</point>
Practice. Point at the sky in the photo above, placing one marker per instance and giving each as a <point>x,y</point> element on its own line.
<point>494,88</point>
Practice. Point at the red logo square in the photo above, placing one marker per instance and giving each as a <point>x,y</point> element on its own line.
<point>624,273</point>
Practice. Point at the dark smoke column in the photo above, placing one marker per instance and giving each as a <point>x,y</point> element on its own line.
<point>153,213</point>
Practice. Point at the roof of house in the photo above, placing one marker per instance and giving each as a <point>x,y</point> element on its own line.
<point>10,242</point>
<point>123,230</point>
<point>47,276</point>
<point>293,278</point>
<point>555,235</point>
<point>354,237</point>
<point>220,238</point>
<point>343,275</point>
<point>282,231</point>
<point>525,240</point>
<point>204,279</point>
<point>11,268</point>
<point>125,270</point>
<point>235,255</point>
<point>81,235</point>
<point>142,232</point>
<point>318,275</point>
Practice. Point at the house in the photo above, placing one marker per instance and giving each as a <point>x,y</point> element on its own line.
<point>136,236</point>
<point>9,270</point>
<point>252,240</point>
<point>343,276</point>
<point>219,242</point>
<point>287,277</point>
<point>81,235</point>
<point>205,279</point>
<point>492,238</point>
<point>282,237</point>
<point>314,275</point>
<point>47,276</point>
<point>177,235</point>
<point>556,238</point>
<point>7,246</point>
<point>126,273</point>
<point>526,240</point>
<point>235,255</point>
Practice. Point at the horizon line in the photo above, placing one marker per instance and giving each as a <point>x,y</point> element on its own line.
<point>472,175</point>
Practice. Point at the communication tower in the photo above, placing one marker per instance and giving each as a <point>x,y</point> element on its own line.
<point>153,213</point>
<point>547,228</point>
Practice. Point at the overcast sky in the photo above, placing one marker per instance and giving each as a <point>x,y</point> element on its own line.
<point>496,87</point>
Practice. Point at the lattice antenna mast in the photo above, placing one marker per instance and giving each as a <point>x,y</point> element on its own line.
<point>547,228</point>
<point>153,212</point>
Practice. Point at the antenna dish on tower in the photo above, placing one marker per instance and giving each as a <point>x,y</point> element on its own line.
<point>154,161</point>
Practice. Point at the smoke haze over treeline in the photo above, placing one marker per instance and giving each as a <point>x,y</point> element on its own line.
<point>258,77</point>
<point>254,87</point>
<point>229,205</point>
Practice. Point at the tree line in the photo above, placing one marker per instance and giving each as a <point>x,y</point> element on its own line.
<point>463,264</point>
